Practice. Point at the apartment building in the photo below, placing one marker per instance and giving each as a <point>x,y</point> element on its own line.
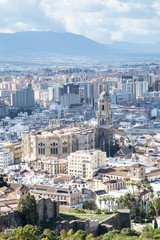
<point>85,163</point>
<point>6,158</point>
<point>64,194</point>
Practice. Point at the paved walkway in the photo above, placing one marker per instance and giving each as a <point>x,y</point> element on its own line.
<point>139,226</point>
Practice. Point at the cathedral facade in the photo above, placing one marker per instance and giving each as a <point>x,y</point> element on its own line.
<point>60,143</point>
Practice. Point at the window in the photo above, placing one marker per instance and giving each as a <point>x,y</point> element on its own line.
<point>54,150</point>
<point>64,149</point>
<point>102,123</point>
<point>102,107</point>
<point>41,150</point>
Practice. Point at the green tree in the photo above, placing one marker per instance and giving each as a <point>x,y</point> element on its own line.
<point>100,199</point>
<point>2,182</point>
<point>110,235</point>
<point>155,224</point>
<point>28,207</point>
<point>90,204</point>
<point>151,195</point>
<point>158,194</point>
<point>151,209</point>
<point>49,234</point>
<point>90,236</point>
<point>147,228</point>
<point>70,232</point>
<point>63,234</point>
<point>28,232</point>
<point>129,232</point>
<point>157,231</point>
<point>139,185</point>
<point>156,205</point>
<point>80,235</point>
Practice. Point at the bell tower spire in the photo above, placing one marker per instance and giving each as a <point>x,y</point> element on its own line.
<point>104,120</point>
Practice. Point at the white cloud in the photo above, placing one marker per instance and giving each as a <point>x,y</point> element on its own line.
<point>101,20</point>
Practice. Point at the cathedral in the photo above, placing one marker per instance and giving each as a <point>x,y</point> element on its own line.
<point>62,141</point>
<point>104,135</point>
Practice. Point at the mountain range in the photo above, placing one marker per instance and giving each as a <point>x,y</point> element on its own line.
<point>41,43</point>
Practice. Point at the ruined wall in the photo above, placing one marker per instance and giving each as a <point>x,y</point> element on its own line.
<point>90,226</point>
<point>47,209</point>
<point>10,220</point>
<point>117,221</point>
<point>120,220</point>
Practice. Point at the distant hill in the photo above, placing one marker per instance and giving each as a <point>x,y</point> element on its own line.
<point>40,43</point>
<point>49,42</point>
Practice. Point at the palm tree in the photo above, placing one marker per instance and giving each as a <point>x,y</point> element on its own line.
<point>156,205</point>
<point>108,199</point>
<point>151,196</point>
<point>112,199</point>
<point>138,185</point>
<point>158,194</point>
<point>100,201</point>
<point>120,201</point>
<point>105,200</point>
<point>133,184</point>
<point>138,200</point>
<point>150,188</point>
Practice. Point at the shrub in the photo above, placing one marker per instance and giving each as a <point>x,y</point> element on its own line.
<point>77,210</point>
<point>97,211</point>
<point>115,211</point>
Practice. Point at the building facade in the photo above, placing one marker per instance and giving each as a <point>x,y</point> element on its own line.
<point>138,172</point>
<point>6,158</point>
<point>23,98</point>
<point>60,143</point>
<point>53,166</point>
<point>85,163</point>
<point>65,195</point>
<point>16,148</point>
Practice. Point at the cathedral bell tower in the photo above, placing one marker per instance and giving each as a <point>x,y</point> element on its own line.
<point>104,122</point>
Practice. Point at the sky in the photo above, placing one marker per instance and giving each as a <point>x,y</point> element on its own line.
<point>104,21</point>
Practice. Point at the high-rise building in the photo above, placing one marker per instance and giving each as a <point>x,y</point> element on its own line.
<point>23,98</point>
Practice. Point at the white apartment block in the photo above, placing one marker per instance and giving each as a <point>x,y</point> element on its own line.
<point>6,158</point>
<point>135,86</point>
<point>85,163</point>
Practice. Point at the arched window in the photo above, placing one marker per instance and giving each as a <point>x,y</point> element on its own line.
<point>53,149</point>
<point>41,149</point>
